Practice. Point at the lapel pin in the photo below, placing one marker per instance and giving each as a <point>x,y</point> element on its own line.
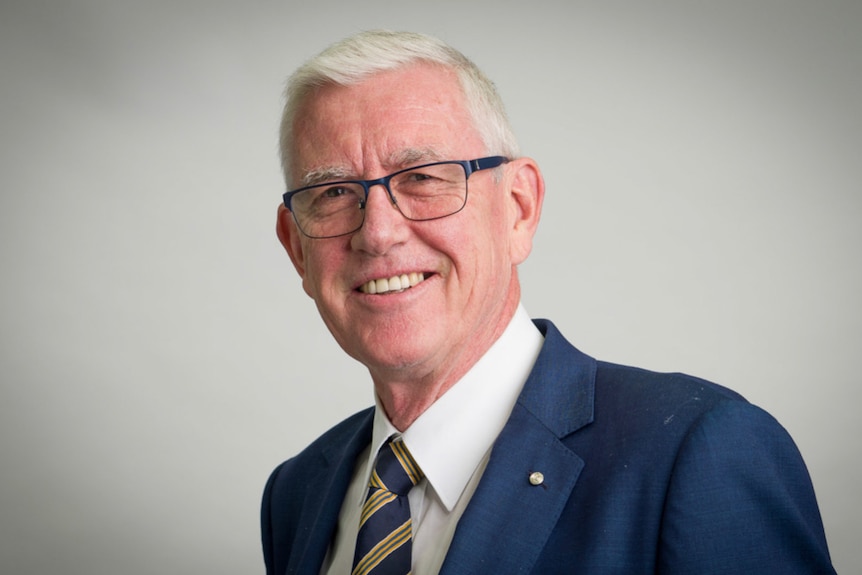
<point>536,478</point>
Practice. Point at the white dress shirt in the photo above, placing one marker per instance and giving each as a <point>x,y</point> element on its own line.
<point>451,441</point>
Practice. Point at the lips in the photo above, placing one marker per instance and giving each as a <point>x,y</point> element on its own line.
<point>392,284</point>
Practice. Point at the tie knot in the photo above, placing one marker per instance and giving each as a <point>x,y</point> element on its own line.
<point>396,470</point>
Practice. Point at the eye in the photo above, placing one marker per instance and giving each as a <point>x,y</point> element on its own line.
<point>419,177</point>
<point>335,192</point>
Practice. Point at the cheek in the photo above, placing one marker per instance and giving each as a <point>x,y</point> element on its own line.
<point>313,278</point>
<point>479,249</point>
<point>495,229</point>
<point>324,274</point>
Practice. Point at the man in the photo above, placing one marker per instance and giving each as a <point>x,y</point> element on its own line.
<point>409,212</point>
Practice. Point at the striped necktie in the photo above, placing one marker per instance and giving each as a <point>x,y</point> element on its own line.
<point>384,544</point>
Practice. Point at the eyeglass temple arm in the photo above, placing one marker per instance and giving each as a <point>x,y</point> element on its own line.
<point>485,163</point>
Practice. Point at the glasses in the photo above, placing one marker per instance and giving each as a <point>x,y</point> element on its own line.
<point>426,192</point>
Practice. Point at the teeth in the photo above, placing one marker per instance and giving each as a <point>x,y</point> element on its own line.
<point>393,284</point>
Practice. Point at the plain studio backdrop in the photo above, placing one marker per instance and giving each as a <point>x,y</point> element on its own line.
<point>158,356</point>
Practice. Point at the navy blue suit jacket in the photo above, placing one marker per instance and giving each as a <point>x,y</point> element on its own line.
<point>644,473</point>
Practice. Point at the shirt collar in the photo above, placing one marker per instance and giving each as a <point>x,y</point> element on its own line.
<point>450,439</point>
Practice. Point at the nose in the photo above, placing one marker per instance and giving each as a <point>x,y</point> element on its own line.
<point>384,226</point>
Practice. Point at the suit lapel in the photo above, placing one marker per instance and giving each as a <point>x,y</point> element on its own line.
<point>510,518</point>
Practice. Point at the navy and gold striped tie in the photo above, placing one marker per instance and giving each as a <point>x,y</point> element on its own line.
<point>384,544</point>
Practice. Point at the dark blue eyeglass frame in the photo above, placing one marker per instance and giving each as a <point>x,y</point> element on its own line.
<point>470,166</point>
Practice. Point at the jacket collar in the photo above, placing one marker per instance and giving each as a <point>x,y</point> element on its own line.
<point>560,391</point>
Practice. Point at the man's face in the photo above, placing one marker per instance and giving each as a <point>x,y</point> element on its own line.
<point>440,326</point>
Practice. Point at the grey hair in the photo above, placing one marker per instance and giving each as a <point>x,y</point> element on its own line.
<point>355,58</point>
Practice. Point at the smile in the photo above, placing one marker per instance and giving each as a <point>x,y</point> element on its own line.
<point>392,285</point>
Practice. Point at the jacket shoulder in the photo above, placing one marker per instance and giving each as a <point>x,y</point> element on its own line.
<point>329,444</point>
<point>307,490</point>
<point>641,389</point>
<point>647,414</point>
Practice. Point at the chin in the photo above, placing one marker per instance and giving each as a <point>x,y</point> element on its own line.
<point>393,358</point>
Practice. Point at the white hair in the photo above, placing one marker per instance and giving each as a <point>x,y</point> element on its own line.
<point>355,58</point>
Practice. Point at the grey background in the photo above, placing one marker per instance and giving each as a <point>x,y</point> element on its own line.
<point>157,355</point>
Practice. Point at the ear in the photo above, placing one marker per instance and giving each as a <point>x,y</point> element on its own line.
<point>527,192</point>
<point>289,236</point>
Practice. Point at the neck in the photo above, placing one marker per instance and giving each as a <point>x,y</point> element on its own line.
<point>406,393</point>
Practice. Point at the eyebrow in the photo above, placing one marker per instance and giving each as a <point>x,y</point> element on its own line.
<point>411,156</point>
<point>326,174</point>
<point>399,160</point>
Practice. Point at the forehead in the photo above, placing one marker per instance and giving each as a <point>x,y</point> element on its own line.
<point>388,120</point>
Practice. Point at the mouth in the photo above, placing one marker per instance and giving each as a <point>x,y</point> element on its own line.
<point>394,284</point>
